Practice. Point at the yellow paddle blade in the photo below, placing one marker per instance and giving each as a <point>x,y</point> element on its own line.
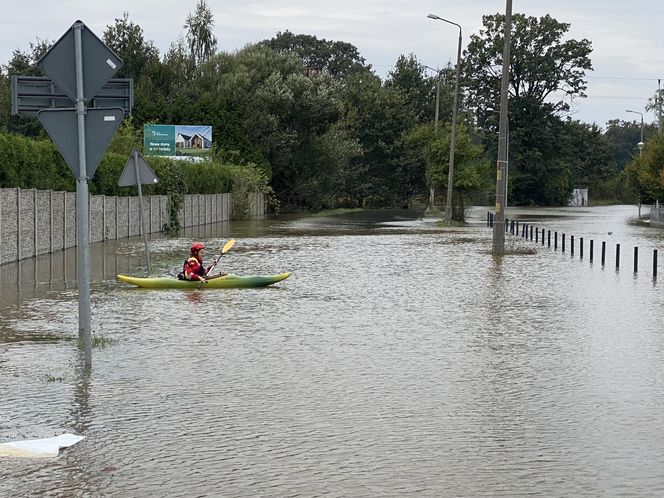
<point>227,246</point>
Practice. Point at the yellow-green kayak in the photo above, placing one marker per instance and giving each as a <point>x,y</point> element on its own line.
<point>228,281</point>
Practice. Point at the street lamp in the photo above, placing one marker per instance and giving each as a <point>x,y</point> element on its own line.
<point>439,72</point>
<point>450,173</point>
<point>435,129</point>
<point>640,144</point>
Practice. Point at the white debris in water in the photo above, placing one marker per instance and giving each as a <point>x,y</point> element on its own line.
<point>37,448</point>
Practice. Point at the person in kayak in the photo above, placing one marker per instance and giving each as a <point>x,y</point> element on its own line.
<point>193,268</point>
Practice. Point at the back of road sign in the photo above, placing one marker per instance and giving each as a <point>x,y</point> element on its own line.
<point>99,63</point>
<point>100,125</point>
<point>145,172</point>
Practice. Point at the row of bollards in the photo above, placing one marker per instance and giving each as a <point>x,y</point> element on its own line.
<point>535,234</point>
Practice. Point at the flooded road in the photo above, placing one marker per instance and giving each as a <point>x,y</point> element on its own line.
<point>399,357</point>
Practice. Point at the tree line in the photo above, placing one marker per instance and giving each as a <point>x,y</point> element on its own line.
<point>309,120</point>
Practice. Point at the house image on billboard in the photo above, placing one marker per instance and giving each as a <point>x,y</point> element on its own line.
<point>193,137</point>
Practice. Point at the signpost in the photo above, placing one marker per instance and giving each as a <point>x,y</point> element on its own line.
<point>136,172</point>
<point>81,65</point>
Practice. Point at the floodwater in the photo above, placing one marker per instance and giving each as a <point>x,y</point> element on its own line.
<point>399,358</point>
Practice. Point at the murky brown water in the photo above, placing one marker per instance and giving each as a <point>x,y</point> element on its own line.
<point>398,358</point>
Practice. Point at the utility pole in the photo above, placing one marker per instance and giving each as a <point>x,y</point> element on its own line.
<point>498,248</point>
<point>659,103</point>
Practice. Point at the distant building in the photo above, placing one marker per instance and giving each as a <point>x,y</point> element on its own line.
<point>579,197</point>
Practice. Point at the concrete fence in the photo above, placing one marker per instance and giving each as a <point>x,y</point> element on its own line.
<point>34,222</point>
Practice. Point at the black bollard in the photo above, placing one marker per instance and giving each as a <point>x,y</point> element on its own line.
<point>571,244</point>
<point>536,234</point>
<point>617,256</point>
<point>603,252</point>
<point>555,241</point>
<point>542,236</point>
<point>563,242</point>
<point>488,215</point>
<point>517,227</point>
<point>636,260</point>
<point>654,263</point>
<point>581,247</point>
<point>548,238</point>
<point>592,243</point>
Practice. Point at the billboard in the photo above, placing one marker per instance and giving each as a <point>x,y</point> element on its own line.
<point>177,140</point>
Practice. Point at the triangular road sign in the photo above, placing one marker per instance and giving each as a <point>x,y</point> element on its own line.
<point>100,125</point>
<point>145,172</point>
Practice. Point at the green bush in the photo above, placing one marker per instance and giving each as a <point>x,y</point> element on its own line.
<point>28,163</point>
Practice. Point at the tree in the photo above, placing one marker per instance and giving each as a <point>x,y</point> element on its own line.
<point>656,104</point>
<point>389,171</point>
<point>277,116</point>
<point>646,171</point>
<point>200,37</point>
<point>24,64</point>
<point>624,137</point>
<point>543,67</point>
<point>471,167</point>
<point>419,90</point>
<point>126,39</point>
<point>546,74</point>
<point>336,58</point>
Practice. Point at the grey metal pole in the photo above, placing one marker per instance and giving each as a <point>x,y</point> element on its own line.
<point>641,146</point>
<point>450,172</point>
<point>498,247</point>
<point>435,128</point>
<point>659,103</point>
<point>82,209</point>
<point>141,212</point>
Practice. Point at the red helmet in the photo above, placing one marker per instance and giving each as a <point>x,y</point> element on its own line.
<point>196,246</point>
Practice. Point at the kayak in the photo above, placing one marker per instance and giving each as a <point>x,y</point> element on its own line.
<point>228,281</point>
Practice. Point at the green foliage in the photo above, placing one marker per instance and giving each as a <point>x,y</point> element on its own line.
<point>28,163</point>
<point>471,169</point>
<point>645,172</point>
<point>201,39</point>
<point>125,38</point>
<point>419,90</point>
<point>542,65</point>
<point>306,121</point>
<point>338,59</point>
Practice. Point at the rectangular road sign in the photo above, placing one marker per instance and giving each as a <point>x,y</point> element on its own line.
<point>99,62</point>
<point>31,94</point>
<point>62,127</point>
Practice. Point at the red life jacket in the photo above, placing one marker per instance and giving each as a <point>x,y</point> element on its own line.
<point>193,269</point>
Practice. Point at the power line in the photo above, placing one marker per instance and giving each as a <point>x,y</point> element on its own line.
<point>620,78</point>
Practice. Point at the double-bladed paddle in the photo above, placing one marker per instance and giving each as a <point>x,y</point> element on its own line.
<point>224,250</point>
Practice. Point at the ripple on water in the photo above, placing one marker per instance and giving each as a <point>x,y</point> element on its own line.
<point>395,360</point>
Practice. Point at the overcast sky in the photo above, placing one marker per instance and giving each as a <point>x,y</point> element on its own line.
<point>627,37</point>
